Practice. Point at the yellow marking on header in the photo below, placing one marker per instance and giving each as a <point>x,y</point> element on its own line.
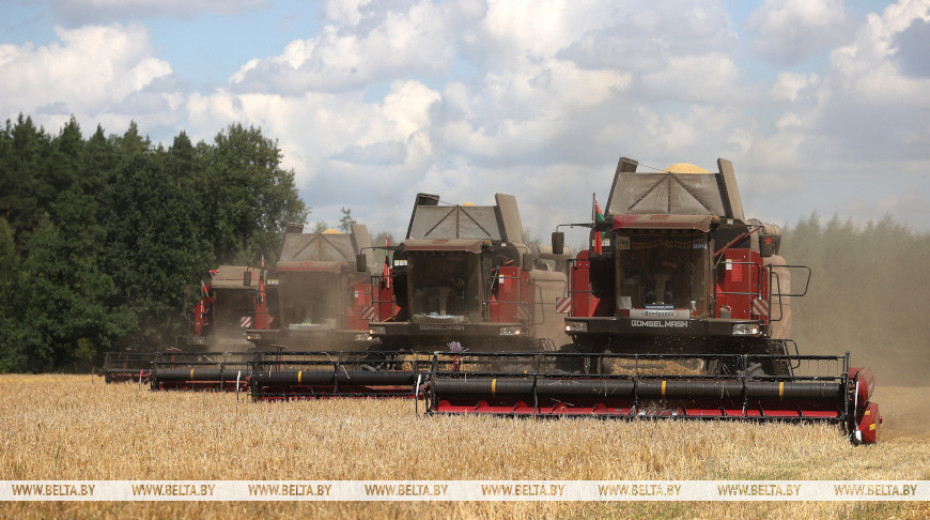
<point>781,390</point>
<point>494,387</point>
<point>300,376</point>
<point>663,388</point>
<point>192,374</point>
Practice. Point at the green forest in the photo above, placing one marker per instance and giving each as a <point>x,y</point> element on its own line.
<point>104,240</point>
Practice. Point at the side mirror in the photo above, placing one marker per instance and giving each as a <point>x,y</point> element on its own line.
<point>361,263</point>
<point>558,242</point>
<point>527,261</point>
<point>247,278</point>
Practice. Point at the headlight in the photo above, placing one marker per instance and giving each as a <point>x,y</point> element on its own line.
<point>375,330</point>
<point>362,337</point>
<point>254,337</point>
<point>511,331</point>
<point>746,329</point>
<point>576,326</point>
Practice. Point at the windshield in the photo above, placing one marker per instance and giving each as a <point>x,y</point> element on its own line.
<point>230,307</point>
<point>444,286</point>
<point>662,270</point>
<point>311,299</point>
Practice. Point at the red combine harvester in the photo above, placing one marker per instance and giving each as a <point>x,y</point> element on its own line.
<point>236,300</point>
<point>323,346</point>
<point>324,298</point>
<point>463,280</point>
<point>680,308</point>
<point>465,275</point>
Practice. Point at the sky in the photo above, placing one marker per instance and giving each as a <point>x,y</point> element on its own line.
<point>822,105</point>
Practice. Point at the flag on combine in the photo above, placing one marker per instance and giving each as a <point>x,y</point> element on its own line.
<point>598,218</point>
<point>203,289</point>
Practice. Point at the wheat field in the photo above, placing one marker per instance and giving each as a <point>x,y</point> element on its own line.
<point>67,427</point>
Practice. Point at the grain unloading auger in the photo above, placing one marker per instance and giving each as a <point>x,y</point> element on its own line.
<point>679,308</point>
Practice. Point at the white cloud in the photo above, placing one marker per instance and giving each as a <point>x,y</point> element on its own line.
<point>344,11</point>
<point>708,78</point>
<point>529,93</point>
<point>465,99</point>
<point>788,32</point>
<point>870,106</point>
<point>789,85</point>
<point>89,72</point>
<point>419,40</point>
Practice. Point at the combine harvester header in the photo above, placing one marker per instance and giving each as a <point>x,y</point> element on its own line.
<point>679,308</point>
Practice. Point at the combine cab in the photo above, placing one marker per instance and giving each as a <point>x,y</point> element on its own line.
<point>680,308</point>
<point>465,280</point>
<point>324,298</point>
<point>236,300</point>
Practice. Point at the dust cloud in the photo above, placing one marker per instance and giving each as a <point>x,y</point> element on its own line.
<point>869,296</point>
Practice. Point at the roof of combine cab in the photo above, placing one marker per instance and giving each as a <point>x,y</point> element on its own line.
<point>231,277</point>
<point>466,245</point>
<point>498,223</point>
<point>328,251</point>
<point>681,189</point>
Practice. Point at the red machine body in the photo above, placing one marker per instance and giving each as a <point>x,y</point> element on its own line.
<point>680,308</point>
<point>237,299</point>
<point>325,302</point>
<point>465,280</point>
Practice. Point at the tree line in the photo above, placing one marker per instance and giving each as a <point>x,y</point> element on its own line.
<point>103,239</point>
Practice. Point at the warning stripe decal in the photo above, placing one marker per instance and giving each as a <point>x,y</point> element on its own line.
<point>760,307</point>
